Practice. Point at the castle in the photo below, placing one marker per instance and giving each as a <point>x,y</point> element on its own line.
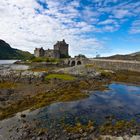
<point>61,50</point>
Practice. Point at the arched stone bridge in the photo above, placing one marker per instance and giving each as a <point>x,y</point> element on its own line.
<point>105,64</point>
<point>76,61</point>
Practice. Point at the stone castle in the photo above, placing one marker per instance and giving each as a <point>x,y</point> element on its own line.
<point>61,50</point>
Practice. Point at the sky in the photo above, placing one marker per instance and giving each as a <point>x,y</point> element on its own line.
<point>90,27</point>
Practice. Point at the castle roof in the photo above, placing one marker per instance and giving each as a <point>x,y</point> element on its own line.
<point>38,49</point>
<point>61,42</point>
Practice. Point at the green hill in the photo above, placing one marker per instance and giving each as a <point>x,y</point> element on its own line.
<point>133,56</point>
<point>6,52</point>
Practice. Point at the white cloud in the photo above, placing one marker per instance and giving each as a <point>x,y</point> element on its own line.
<point>26,24</point>
<point>120,13</point>
<point>23,28</point>
<point>135,28</point>
<point>106,22</point>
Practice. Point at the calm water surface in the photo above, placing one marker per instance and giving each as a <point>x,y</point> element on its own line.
<point>7,61</point>
<point>9,64</point>
<point>121,101</point>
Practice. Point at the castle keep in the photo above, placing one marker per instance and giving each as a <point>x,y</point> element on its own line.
<point>60,51</point>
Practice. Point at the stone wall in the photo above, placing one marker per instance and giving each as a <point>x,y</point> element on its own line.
<point>52,54</point>
<point>116,64</point>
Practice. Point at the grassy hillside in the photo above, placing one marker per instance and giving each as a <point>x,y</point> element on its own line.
<point>6,52</point>
<point>133,56</point>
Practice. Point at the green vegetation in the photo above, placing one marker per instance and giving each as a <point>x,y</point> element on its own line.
<point>39,69</point>
<point>79,128</point>
<point>81,56</point>
<point>126,76</point>
<point>106,74</point>
<point>118,127</point>
<point>6,52</point>
<point>61,77</point>
<point>43,59</point>
<point>59,91</point>
<point>90,66</point>
<point>62,94</point>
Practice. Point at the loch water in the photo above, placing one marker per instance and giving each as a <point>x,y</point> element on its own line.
<point>5,62</point>
<point>10,64</point>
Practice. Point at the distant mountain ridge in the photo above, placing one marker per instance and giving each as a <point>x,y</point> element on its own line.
<point>132,56</point>
<point>7,52</point>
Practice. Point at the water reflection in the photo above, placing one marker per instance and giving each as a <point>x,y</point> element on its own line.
<point>121,101</point>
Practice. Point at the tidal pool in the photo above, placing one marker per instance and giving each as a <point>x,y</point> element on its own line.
<point>120,100</point>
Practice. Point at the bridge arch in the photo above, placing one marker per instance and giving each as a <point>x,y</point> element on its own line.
<point>73,63</point>
<point>79,63</point>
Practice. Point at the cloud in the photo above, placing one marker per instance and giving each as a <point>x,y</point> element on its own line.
<point>27,24</point>
<point>135,28</point>
<point>106,22</point>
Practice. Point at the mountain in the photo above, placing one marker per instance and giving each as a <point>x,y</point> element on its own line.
<point>133,56</point>
<point>6,52</point>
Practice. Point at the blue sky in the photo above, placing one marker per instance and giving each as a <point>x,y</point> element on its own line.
<point>91,27</point>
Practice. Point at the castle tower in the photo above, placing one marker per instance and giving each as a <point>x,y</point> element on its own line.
<point>63,48</point>
<point>39,52</point>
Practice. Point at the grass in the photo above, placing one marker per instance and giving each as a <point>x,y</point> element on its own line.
<point>43,59</point>
<point>90,66</point>
<point>65,77</point>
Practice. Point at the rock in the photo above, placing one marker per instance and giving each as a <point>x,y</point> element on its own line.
<point>85,134</point>
<point>108,137</point>
<point>135,138</point>
<point>23,115</point>
<point>11,75</point>
<point>80,70</point>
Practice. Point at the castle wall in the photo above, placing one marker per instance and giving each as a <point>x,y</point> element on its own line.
<point>39,52</point>
<point>52,54</point>
<point>60,51</point>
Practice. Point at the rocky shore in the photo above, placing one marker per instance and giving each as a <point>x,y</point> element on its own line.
<point>21,128</point>
<point>23,88</point>
<point>19,73</point>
